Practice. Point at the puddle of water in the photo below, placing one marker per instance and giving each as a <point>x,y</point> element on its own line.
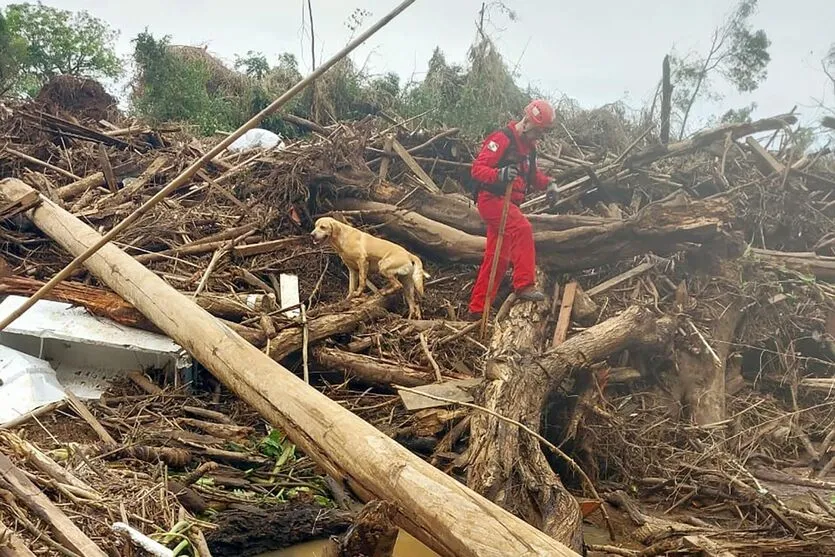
<point>406,546</point>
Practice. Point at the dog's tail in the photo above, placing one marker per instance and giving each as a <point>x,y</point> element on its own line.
<point>418,274</point>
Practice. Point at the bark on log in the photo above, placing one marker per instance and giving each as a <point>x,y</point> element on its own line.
<point>373,534</point>
<point>345,446</point>
<point>660,228</point>
<point>105,303</point>
<point>508,465</point>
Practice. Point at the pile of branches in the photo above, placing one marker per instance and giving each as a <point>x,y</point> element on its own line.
<point>685,358</point>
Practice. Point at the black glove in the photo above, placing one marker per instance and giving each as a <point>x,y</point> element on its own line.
<point>552,194</point>
<point>508,174</point>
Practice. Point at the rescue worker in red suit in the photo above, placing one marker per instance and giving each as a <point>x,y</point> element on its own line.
<point>508,155</point>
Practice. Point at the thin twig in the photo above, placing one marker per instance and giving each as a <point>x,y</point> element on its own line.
<point>425,345</point>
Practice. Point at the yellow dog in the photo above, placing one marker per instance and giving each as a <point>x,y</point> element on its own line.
<point>362,252</point>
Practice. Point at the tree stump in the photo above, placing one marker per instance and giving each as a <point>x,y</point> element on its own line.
<point>508,465</point>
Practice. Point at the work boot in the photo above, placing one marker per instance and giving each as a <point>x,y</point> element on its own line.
<point>530,294</point>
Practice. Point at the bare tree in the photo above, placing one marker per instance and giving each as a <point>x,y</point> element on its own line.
<point>736,52</point>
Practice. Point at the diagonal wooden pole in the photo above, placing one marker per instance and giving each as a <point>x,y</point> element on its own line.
<point>488,303</point>
<point>200,163</point>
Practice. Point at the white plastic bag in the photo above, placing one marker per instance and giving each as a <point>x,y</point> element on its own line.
<point>256,138</point>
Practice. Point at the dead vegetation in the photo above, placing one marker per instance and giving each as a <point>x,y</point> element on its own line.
<point>685,360</point>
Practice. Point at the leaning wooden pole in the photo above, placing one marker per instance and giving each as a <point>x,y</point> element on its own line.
<point>186,174</point>
<point>438,510</point>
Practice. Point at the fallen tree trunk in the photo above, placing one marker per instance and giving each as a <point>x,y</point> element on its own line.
<point>107,304</point>
<point>291,339</point>
<point>660,228</point>
<point>346,447</point>
<point>808,263</point>
<point>425,235</point>
<point>461,213</point>
<point>707,137</point>
<point>373,370</point>
<point>508,465</point>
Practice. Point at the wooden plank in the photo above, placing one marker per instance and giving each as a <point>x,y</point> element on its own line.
<point>623,277</point>
<point>107,169</point>
<point>708,547</point>
<point>347,448</point>
<point>289,293</point>
<point>765,160</point>
<point>85,414</point>
<point>11,545</point>
<point>8,210</point>
<point>386,160</point>
<point>453,390</point>
<point>29,495</point>
<point>564,320</point>
<point>415,167</point>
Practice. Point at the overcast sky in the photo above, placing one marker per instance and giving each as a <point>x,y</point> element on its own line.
<point>597,51</point>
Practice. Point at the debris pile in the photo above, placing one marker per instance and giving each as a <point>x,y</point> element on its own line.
<point>681,374</point>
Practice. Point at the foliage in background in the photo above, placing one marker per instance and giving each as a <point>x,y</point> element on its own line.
<point>47,42</point>
<point>172,88</point>
<point>476,99</point>
<point>12,57</point>
<point>737,53</point>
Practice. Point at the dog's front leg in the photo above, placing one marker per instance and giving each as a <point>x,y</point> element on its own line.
<point>352,282</point>
<point>362,266</point>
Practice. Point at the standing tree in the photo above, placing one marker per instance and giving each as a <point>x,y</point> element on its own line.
<point>12,57</point>
<point>737,53</point>
<point>61,42</point>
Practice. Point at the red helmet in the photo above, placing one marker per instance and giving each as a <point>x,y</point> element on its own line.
<point>540,113</point>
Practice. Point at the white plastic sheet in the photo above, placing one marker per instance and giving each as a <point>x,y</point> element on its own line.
<point>256,138</point>
<point>26,383</point>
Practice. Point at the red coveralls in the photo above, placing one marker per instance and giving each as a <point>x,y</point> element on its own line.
<point>517,246</point>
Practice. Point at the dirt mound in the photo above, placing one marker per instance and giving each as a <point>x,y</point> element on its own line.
<point>82,97</point>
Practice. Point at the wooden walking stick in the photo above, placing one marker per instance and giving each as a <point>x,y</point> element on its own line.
<point>488,303</point>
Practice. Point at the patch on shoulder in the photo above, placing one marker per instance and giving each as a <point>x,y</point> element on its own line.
<point>493,146</point>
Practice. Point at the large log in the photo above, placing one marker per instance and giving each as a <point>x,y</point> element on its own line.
<point>508,465</point>
<point>447,516</point>
<point>706,138</point>
<point>373,370</point>
<point>660,228</point>
<point>291,339</point>
<point>105,303</point>
<point>809,263</point>
<point>425,235</point>
<point>459,212</point>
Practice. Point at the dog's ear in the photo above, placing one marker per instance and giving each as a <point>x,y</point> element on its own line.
<point>333,226</point>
